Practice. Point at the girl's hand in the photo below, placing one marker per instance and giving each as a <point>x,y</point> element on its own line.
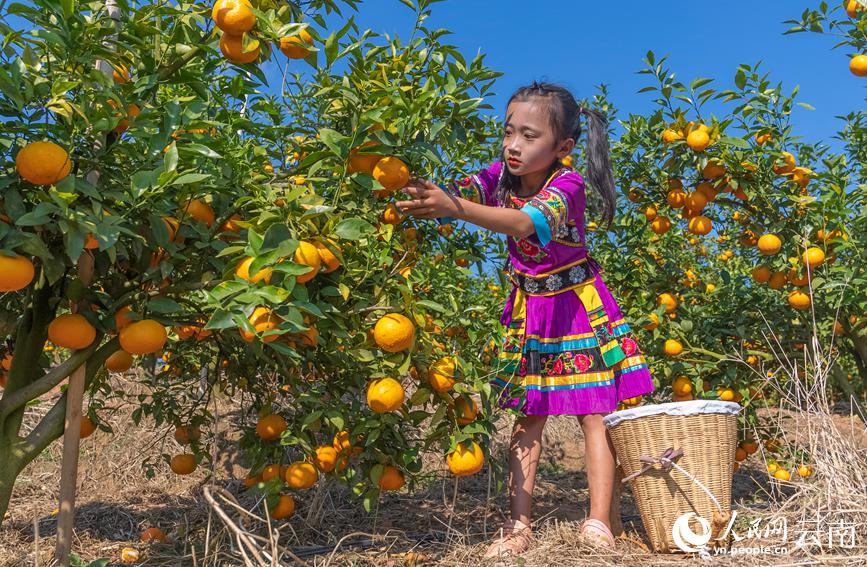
<point>428,201</point>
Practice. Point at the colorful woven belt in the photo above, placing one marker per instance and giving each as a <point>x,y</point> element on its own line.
<point>555,282</point>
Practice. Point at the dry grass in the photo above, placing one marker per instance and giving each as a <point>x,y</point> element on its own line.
<point>445,522</point>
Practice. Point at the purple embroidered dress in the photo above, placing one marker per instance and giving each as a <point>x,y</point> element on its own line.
<point>566,348</point>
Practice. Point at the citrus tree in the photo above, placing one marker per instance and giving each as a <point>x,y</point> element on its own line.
<point>241,237</point>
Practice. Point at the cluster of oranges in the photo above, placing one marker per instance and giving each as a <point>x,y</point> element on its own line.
<point>236,20</point>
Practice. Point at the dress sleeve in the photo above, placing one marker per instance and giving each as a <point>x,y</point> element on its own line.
<point>479,188</point>
<point>552,207</point>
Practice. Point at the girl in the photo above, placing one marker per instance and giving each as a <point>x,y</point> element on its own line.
<point>566,348</point>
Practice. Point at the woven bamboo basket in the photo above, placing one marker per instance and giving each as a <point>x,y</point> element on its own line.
<point>706,433</point>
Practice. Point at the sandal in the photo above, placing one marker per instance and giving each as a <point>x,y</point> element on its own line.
<point>598,533</point>
<point>516,538</point>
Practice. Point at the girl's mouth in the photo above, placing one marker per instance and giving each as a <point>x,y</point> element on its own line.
<point>513,162</point>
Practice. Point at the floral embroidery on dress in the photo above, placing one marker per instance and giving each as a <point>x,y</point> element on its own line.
<point>469,188</point>
<point>583,362</point>
<point>529,250</point>
<point>629,346</point>
<point>552,203</point>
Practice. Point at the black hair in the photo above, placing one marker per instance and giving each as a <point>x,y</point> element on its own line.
<point>565,118</point>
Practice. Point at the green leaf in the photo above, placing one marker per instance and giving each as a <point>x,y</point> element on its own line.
<point>431,305</point>
<point>188,178</point>
<point>736,142</point>
<point>164,305</point>
<point>336,142</point>
<point>221,319</point>
<point>353,229</point>
<point>170,160</point>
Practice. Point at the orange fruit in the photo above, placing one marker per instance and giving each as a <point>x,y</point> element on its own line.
<point>385,395</point>
<point>272,471</point>
<point>120,74</point>
<point>762,139</point>
<point>466,413</point>
<point>342,444</point>
<point>466,459</point>
<point>441,374</point>
<point>263,320</point>
<point>119,361</point>
<point>700,225</point>
<point>200,211</point>
<point>270,427</point>
<point>696,201</point>
<point>750,446</point>
<point>853,7</point>
<point>185,434</point>
<point>654,322</point>
<point>799,300</point>
<point>676,198</point>
<point>122,317</point>
<point>391,479</point>
<point>761,274</point>
<point>153,534</point>
<point>660,225</point>
<point>16,273</point>
<point>813,256</point>
<point>294,46</point>
<point>392,173</point>
<point>788,165</point>
<point>391,214</point>
<point>707,190</point>
<point>672,347</point>
<point>232,47</point>
<point>129,555</point>
<point>242,270</point>
<point>132,111</point>
<point>329,260</point>
<point>87,427</point>
<point>307,255</point>
<point>650,212</point>
<point>682,386</point>
<point>698,140</point>
<point>71,331</point>
<point>740,454</point>
<point>713,170</point>
<point>777,280</point>
<point>858,65</point>
<point>363,162</point>
<point>805,471</point>
<point>670,135</point>
<point>43,163</point>
<point>184,463</point>
<point>668,300</point>
<point>233,16</point>
<point>284,508</point>
<point>143,337</point>
<point>769,244</point>
<point>230,227</point>
<point>782,474</point>
<point>250,481</point>
<point>301,475</point>
<point>325,458</point>
<point>394,332</point>
<point>726,394</point>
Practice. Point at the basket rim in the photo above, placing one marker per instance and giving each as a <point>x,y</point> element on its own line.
<point>690,407</point>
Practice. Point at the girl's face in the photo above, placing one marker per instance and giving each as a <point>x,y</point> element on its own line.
<point>529,140</point>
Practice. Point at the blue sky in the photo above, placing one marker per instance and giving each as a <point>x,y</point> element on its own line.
<point>583,44</point>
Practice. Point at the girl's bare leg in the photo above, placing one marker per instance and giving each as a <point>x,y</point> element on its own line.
<point>524,453</point>
<point>599,454</point>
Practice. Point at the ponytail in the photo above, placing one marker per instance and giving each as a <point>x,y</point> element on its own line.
<point>599,173</point>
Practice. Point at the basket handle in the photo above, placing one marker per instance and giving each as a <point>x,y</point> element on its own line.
<point>666,462</point>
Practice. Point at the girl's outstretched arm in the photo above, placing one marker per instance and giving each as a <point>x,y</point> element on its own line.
<point>431,201</point>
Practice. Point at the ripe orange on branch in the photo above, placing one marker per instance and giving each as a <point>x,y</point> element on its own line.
<point>143,337</point>
<point>391,479</point>
<point>296,46</point>
<point>301,475</point>
<point>284,508</point>
<point>392,173</point>
<point>233,16</point>
<point>263,320</point>
<point>466,413</point>
<point>308,255</point>
<point>270,427</point>
<point>72,331</point>
<point>385,395</point>
<point>769,244</point>
<point>232,47</point>
<point>243,272</point>
<point>120,361</point>
<point>325,458</point>
<point>16,273</point>
<point>441,374</point>
<point>43,163</point>
<point>466,459</point>
<point>394,332</point>
<point>183,464</point>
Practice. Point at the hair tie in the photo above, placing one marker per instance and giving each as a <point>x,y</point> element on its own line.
<point>581,110</point>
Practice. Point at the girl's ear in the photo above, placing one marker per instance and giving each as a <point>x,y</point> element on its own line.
<point>566,147</point>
